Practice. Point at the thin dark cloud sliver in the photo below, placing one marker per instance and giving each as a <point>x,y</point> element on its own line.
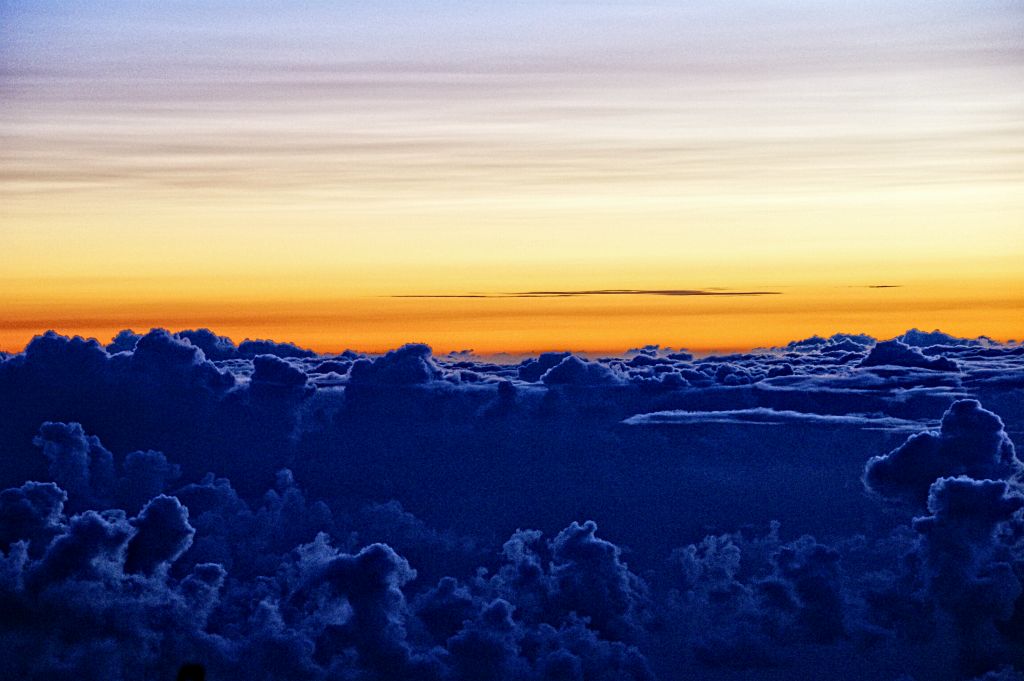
<point>596,292</point>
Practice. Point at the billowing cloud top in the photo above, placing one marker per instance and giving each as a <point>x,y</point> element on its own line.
<point>177,501</point>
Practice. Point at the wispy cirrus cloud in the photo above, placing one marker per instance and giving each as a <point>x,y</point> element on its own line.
<point>772,417</point>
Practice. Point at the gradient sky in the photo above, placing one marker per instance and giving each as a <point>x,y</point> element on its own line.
<point>285,169</point>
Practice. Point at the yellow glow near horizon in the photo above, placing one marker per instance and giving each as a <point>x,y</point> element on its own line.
<point>517,325</point>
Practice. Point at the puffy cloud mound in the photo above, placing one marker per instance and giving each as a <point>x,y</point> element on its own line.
<point>160,348</point>
<point>74,609</point>
<point>742,599</point>
<point>162,535</point>
<point>125,601</point>
<point>214,347</point>
<point>160,360</point>
<point>124,341</point>
<point>533,368</point>
<point>146,475</point>
<point>923,339</point>
<point>252,348</point>
<point>969,568</point>
<point>897,353</point>
<point>408,365</point>
<point>78,463</point>
<point>263,591</point>
<point>592,581</point>
<point>806,582</point>
<point>972,441</point>
<point>33,513</point>
<point>575,371</point>
<point>370,585</point>
<point>271,370</point>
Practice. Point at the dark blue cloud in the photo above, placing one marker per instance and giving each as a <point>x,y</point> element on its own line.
<point>271,370</point>
<point>923,339</point>
<point>408,365</point>
<point>162,534</point>
<point>533,368</point>
<point>251,348</point>
<point>969,569</point>
<point>897,353</point>
<point>214,347</point>
<point>78,463</point>
<point>575,371</point>
<point>124,341</point>
<point>265,512</point>
<point>32,513</point>
<point>972,441</point>
<point>591,580</point>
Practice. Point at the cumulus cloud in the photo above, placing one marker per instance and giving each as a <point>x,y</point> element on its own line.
<point>162,534</point>
<point>316,610</point>
<point>575,371</point>
<point>923,339</point>
<point>969,569</point>
<point>214,347</point>
<point>591,580</point>
<point>32,513</point>
<point>897,353</point>
<point>744,599</point>
<point>971,441</point>
<point>78,463</point>
<point>408,365</point>
<point>271,370</point>
<point>533,368</point>
<point>261,511</point>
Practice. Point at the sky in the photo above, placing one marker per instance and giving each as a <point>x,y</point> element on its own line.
<point>366,174</point>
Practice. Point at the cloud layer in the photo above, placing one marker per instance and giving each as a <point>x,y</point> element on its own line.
<point>265,512</point>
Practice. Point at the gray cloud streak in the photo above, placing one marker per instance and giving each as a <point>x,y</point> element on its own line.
<point>595,292</point>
